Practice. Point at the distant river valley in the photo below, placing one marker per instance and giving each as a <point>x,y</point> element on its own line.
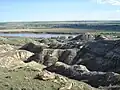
<point>41,35</point>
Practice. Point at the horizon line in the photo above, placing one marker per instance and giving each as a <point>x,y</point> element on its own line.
<point>57,21</point>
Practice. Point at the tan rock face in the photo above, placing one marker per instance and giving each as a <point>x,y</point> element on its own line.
<point>6,47</point>
<point>14,57</point>
<point>45,75</point>
<point>68,86</point>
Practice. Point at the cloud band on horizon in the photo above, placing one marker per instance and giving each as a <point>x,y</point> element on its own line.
<point>112,2</point>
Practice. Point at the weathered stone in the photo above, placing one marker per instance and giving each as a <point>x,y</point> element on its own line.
<point>82,73</point>
<point>6,47</point>
<point>50,56</point>
<point>100,37</point>
<point>67,56</point>
<point>45,75</point>
<point>100,55</point>
<point>14,57</point>
<point>68,86</point>
<point>38,57</point>
<point>84,36</point>
<point>49,60</point>
<point>60,68</point>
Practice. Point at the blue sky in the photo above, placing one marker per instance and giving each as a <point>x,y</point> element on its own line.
<point>59,10</point>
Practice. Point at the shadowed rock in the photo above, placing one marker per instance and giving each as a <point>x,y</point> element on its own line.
<point>38,57</point>
<point>49,60</point>
<point>32,48</point>
<point>100,37</point>
<point>42,58</point>
<point>67,56</point>
<point>100,55</point>
<point>84,36</point>
<point>50,56</point>
<point>80,72</point>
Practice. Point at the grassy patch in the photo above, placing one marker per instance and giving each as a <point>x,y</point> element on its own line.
<point>17,40</point>
<point>23,79</point>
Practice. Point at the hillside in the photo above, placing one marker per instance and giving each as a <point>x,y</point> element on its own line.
<point>87,25</point>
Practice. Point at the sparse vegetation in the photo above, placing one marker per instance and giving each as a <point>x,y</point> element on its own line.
<point>35,63</point>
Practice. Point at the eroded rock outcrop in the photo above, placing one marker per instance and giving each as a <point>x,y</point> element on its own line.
<point>6,47</point>
<point>80,72</point>
<point>51,56</point>
<point>14,57</point>
<point>67,56</point>
<point>100,37</point>
<point>100,55</point>
<point>64,82</point>
<point>84,37</point>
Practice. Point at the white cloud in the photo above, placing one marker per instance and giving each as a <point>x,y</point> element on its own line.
<point>118,11</point>
<point>112,2</point>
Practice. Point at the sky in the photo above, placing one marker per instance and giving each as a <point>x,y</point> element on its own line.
<point>59,10</point>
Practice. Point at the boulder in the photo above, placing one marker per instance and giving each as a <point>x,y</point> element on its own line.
<point>45,75</point>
